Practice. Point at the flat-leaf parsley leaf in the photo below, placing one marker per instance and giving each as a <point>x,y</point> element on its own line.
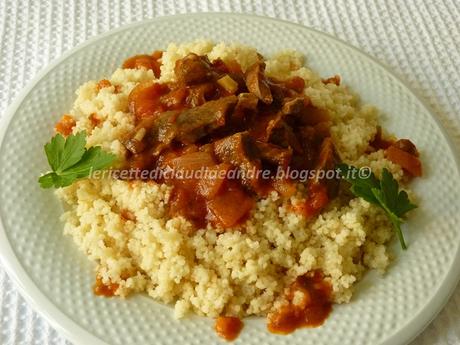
<point>384,193</point>
<point>70,160</point>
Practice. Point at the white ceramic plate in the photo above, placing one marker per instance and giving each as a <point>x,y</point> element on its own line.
<point>57,279</point>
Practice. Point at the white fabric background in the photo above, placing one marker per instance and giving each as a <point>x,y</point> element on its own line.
<point>419,40</point>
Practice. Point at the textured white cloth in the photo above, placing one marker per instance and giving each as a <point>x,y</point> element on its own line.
<point>418,39</point>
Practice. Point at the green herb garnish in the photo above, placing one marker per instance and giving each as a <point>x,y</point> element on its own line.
<point>384,193</point>
<point>70,160</point>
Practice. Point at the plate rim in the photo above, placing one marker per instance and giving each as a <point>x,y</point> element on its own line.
<point>72,331</point>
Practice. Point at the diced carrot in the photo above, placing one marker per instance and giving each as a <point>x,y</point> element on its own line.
<point>285,187</point>
<point>102,84</point>
<point>316,201</point>
<point>408,162</point>
<point>231,206</point>
<point>144,99</point>
<point>175,99</point>
<point>144,61</point>
<point>65,125</point>
<point>213,180</point>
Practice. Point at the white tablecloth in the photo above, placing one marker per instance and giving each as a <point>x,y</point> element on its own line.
<point>419,40</point>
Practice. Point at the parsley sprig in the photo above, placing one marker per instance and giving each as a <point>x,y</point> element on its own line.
<point>70,160</point>
<point>384,193</point>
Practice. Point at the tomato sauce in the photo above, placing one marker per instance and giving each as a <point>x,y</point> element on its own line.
<point>127,215</point>
<point>295,83</point>
<point>228,327</point>
<point>100,289</point>
<point>317,199</point>
<point>309,310</point>
<point>332,80</point>
<point>94,119</point>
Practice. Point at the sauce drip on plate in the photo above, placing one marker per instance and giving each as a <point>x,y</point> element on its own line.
<point>308,305</point>
<point>228,327</point>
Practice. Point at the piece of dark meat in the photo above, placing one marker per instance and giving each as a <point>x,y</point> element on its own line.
<point>257,83</point>
<point>293,110</point>
<point>313,135</point>
<point>135,146</point>
<point>322,187</point>
<point>327,157</point>
<point>277,90</point>
<point>306,156</point>
<point>283,135</point>
<point>240,150</point>
<point>164,130</point>
<point>245,107</point>
<point>407,146</point>
<point>137,141</point>
<point>380,142</point>
<point>332,80</point>
<point>262,126</point>
<point>193,124</point>
<point>274,154</point>
<point>274,129</point>
<point>193,69</point>
<point>278,127</point>
<point>190,125</point>
<point>327,161</point>
<point>312,115</point>
<point>294,106</point>
<point>287,129</point>
<point>200,93</point>
<point>247,101</point>
<point>289,88</point>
